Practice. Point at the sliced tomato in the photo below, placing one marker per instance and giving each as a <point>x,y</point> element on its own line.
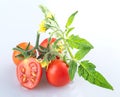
<point>57,73</point>
<point>29,73</point>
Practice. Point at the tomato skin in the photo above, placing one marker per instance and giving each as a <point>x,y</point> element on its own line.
<point>29,73</point>
<point>23,45</point>
<point>57,73</point>
<point>44,43</point>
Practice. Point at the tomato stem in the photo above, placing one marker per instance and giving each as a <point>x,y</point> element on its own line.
<point>63,36</point>
<point>37,40</point>
<point>70,53</point>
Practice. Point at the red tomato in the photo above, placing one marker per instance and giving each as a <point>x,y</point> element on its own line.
<point>44,43</point>
<point>57,73</point>
<point>22,45</point>
<point>29,73</point>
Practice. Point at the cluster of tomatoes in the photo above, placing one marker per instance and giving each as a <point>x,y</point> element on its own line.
<point>29,65</point>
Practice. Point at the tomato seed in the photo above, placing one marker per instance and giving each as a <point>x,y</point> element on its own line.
<point>24,75</point>
<point>24,79</point>
<point>33,80</point>
<point>23,70</point>
<point>33,74</point>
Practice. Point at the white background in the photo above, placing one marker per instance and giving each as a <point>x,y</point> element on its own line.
<point>98,21</point>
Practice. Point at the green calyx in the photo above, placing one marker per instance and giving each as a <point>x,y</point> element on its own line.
<point>24,53</point>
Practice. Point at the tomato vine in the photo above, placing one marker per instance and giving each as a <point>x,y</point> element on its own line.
<point>69,48</point>
<point>70,42</point>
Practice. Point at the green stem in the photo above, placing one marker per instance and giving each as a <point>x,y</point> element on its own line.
<point>70,53</point>
<point>57,23</point>
<point>37,40</point>
<point>68,49</point>
<point>63,36</point>
<point>37,43</point>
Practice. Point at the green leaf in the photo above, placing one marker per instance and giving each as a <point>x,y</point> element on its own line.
<point>70,19</point>
<point>88,72</point>
<point>72,69</point>
<point>81,53</point>
<point>69,30</point>
<point>43,8</point>
<point>75,41</point>
<point>83,46</point>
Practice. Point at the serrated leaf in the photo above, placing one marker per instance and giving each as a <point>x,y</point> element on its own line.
<point>88,72</point>
<point>75,41</point>
<point>88,65</point>
<point>70,19</point>
<point>72,69</point>
<point>81,44</point>
<point>81,53</point>
<point>80,70</point>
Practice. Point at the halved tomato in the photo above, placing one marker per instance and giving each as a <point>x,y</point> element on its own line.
<point>29,73</point>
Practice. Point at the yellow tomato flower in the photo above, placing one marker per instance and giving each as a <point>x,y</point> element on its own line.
<point>60,47</point>
<point>44,63</point>
<point>42,26</point>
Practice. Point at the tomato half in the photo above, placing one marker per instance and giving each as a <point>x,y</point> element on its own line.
<point>57,73</point>
<point>22,45</point>
<point>44,43</point>
<point>29,73</point>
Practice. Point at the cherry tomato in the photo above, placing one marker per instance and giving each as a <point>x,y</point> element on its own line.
<point>29,73</point>
<point>22,45</point>
<point>44,43</point>
<point>57,73</point>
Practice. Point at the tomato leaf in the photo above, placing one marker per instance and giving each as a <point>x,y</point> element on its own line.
<point>81,53</point>
<point>88,72</point>
<point>70,19</point>
<point>69,30</point>
<point>72,69</point>
<point>75,41</point>
<point>81,44</point>
<point>43,9</point>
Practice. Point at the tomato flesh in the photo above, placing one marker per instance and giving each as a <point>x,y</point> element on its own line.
<point>57,73</point>
<point>29,73</point>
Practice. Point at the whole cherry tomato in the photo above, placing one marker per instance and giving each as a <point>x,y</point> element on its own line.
<point>57,73</point>
<point>22,45</point>
<point>44,43</point>
<point>29,73</point>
